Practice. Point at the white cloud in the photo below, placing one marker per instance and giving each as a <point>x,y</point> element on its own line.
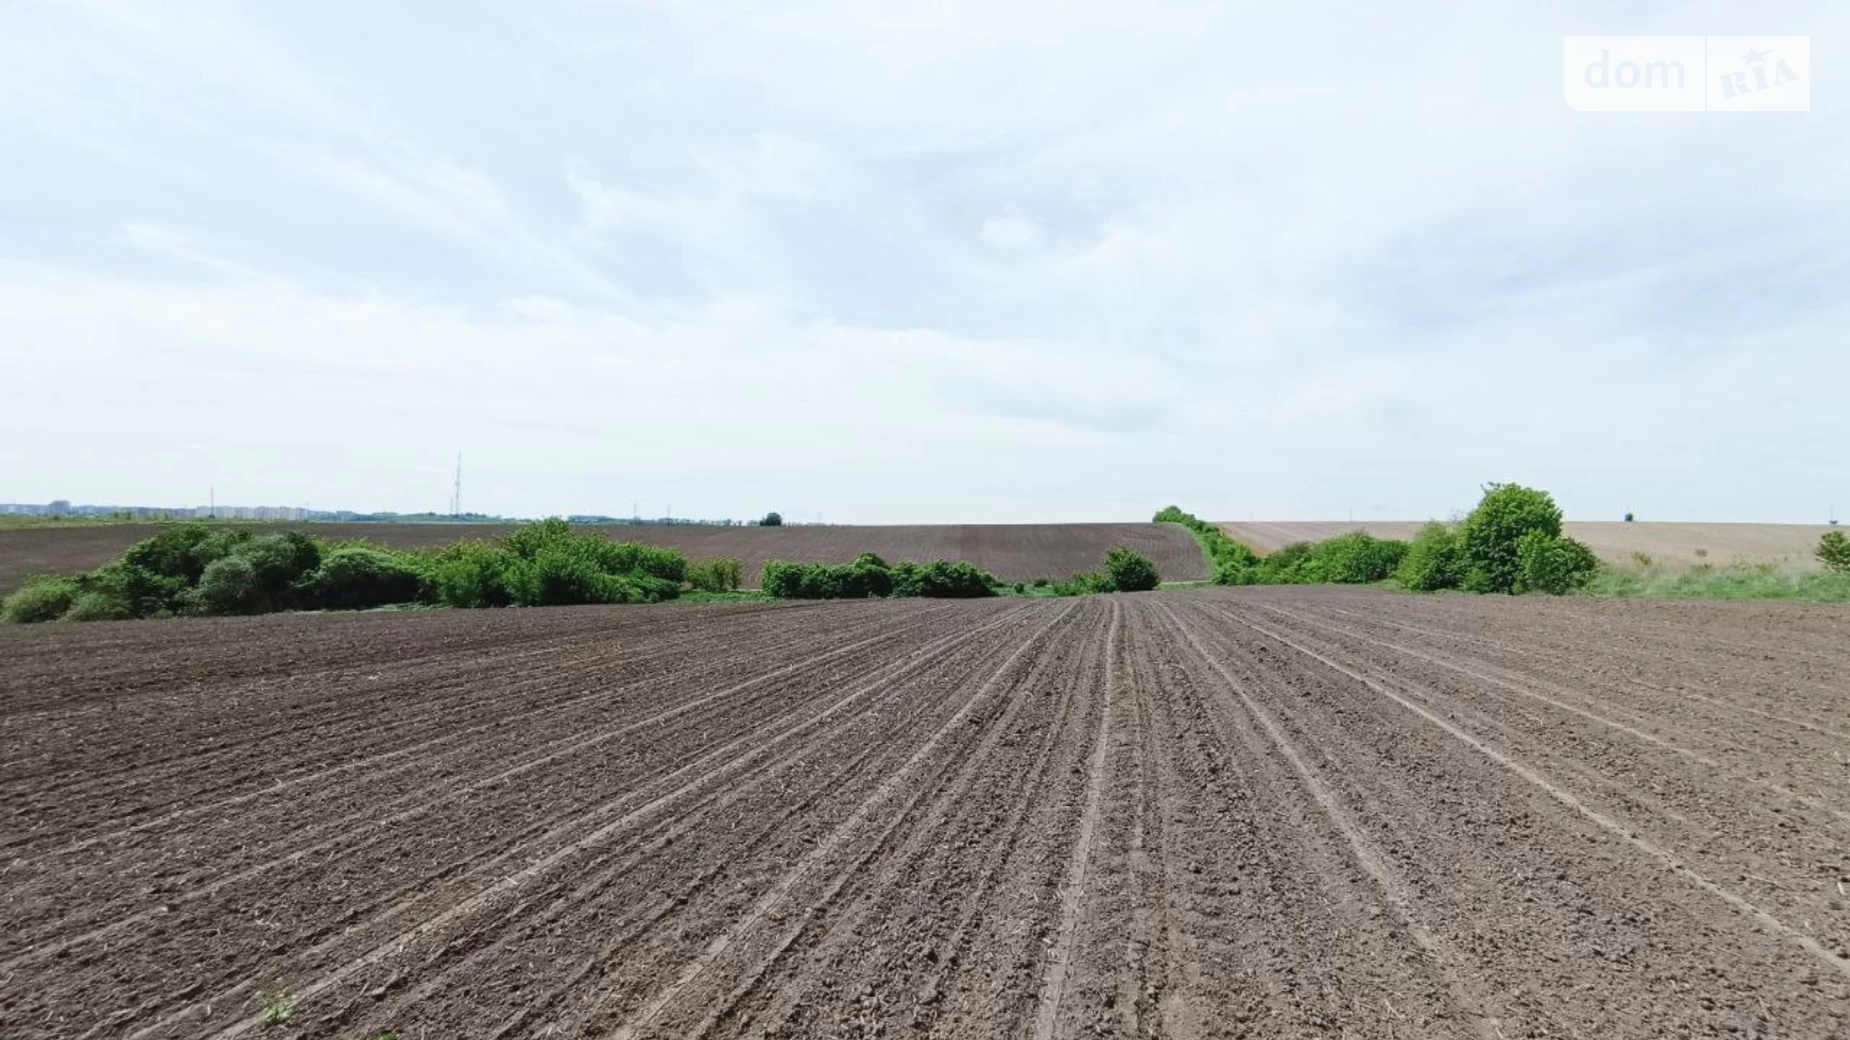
<point>1011,233</point>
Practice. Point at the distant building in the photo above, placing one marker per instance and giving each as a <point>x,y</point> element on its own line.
<point>60,507</point>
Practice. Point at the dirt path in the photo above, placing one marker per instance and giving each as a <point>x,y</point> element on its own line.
<point>1271,813</point>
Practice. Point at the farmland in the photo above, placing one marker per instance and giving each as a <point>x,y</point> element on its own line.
<point>1279,812</point>
<point>1013,552</point>
<point>1786,546</point>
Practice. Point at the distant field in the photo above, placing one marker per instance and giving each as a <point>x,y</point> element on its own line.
<point>1788,546</point>
<point>1014,552</point>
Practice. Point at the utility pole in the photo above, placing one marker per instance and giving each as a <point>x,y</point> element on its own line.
<point>456,495</point>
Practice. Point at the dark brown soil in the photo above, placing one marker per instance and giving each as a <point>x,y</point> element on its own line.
<point>1265,813</point>
<point>1013,552</point>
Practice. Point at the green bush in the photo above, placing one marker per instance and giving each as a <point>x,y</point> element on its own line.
<point>41,599</point>
<point>230,585</point>
<point>1085,583</point>
<point>185,551</point>
<point>869,576</point>
<point>1230,562</point>
<point>1834,552</point>
<point>720,574</point>
<point>1130,570</point>
<point>1357,558</point>
<point>145,593</point>
<point>360,577</point>
<point>279,560</point>
<point>942,579</point>
<point>1553,564</point>
<point>1490,539</point>
<point>1431,561</point>
<point>474,575</point>
<point>98,606</point>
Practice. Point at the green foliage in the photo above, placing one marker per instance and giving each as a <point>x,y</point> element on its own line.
<point>474,575</point>
<point>229,586</point>
<point>1834,552</point>
<point>720,574</point>
<point>1230,562</point>
<point>1432,560</point>
<point>1085,583</point>
<point>1490,539</point>
<point>1749,582</point>
<point>42,599</point>
<point>942,579</point>
<point>145,593</point>
<point>553,564</point>
<point>772,519</point>
<point>1357,558</point>
<point>360,577</point>
<point>1130,570</point>
<point>98,605</point>
<point>280,560</point>
<point>184,551</point>
<point>278,1007</point>
<point>1553,564</point>
<point>193,568</point>
<point>870,577</point>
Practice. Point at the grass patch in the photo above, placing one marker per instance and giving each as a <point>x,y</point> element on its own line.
<point>278,1007</point>
<point>732,596</point>
<point>1750,582</point>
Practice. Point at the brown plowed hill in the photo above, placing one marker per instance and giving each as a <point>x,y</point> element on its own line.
<point>1013,552</point>
<point>1788,546</point>
<point>1258,812</point>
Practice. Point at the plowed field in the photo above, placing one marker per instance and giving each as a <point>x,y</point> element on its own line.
<point>1266,813</point>
<point>1013,552</point>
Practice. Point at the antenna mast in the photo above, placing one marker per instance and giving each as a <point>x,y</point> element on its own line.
<point>456,495</point>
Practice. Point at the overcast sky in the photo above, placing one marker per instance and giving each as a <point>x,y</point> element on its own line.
<point>929,262</point>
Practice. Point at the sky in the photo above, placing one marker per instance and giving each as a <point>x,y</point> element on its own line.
<point>1051,260</point>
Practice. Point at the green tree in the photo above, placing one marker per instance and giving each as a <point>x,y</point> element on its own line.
<point>1834,551</point>
<point>359,577</point>
<point>772,519</point>
<point>1130,570</point>
<point>229,586</point>
<point>1432,560</point>
<point>1553,564</point>
<point>1490,539</point>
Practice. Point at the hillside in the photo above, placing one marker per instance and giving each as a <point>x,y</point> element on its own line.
<point>1014,552</point>
<point>1788,546</point>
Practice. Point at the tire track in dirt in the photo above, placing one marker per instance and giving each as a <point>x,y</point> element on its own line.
<point>884,792</point>
<point>601,832</point>
<point>342,831</point>
<point>415,752</point>
<point>1370,858</point>
<point>1717,826</point>
<point>1557,703</point>
<point>194,760</point>
<point>1673,863</point>
<point>694,819</point>
<point>1456,637</point>
<point>1072,889</point>
<point>871,907</point>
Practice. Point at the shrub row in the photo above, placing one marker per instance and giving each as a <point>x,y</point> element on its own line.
<point>1230,562</point>
<point>869,576</point>
<point>193,569</point>
<point>1357,558</point>
<point>1510,543</point>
